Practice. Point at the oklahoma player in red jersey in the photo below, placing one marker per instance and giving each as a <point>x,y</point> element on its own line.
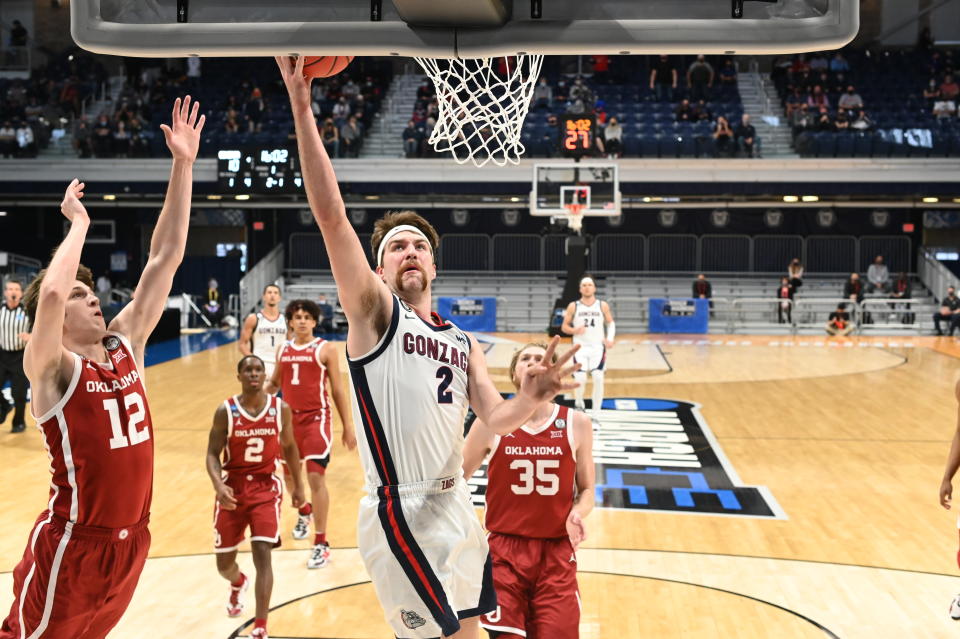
<point>86,552</point>
<point>250,430</point>
<point>304,366</point>
<point>540,486</point>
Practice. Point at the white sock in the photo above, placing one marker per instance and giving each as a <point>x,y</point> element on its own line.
<point>597,391</point>
<point>581,378</point>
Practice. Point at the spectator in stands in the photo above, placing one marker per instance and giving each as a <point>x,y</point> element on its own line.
<point>701,112</point>
<point>944,109</point>
<point>542,94</point>
<point>818,98</point>
<point>350,90</point>
<point>412,137</point>
<point>949,311</point>
<point>949,90</point>
<point>663,79</point>
<point>746,135</point>
<point>364,111</point>
<point>18,34</point>
<point>341,110</point>
<point>612,139</point>
<point>81,138</point>
<point>723,137</point>
<point>824,123</point>
<point>842,123</point>
<point>794,101</point>
<point>878,277</point>
<point>104,286</point>
<point>601,68</point>
<point>326,314</point>
<point>230,125</point>
<point>193,72</point>
<point>684,112</point>
<point>839,64</point>
<point>853,288</point>
<point>839,322</point>
<point>121,140</point>
<point>819,62</point>
<point>26,144</point>
<point>350,138</point>
<point>425,90</point>
<point>931,92</point>
<point>702,289</point>
<point>700,77</point>
<point>795,273</point>
<point>254,109</point>
<point>901,290</point>
<point>728,73</point>
<point>8,140</point>
<point>862,122</point>
<point>785,294</point>
<point>801,120</point>
<point>850,100</point>
<point>213,306</point>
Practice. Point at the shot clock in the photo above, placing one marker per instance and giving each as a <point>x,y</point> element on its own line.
<point>577,135</point>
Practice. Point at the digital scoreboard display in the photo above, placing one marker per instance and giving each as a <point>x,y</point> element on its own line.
<point>259,170</point>
<point>577,135</point>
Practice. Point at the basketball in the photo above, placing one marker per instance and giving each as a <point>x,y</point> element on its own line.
<point>324,66</point>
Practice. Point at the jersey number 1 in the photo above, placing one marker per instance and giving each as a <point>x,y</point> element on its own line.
<point>134,418</point>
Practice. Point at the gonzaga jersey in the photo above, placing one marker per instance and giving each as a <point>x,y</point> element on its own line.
<point>267,336</point>
<point>410,394</point>
<point>531,477</point>
<point>253,441</point>
<point>304,378</point>
<point>592,318</point>
<point>99,438</point>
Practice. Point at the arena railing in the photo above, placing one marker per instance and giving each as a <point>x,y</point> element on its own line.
<point>812,312</point>
<point>19,266</point>
<point>268,270</point>
<point>760,313</point>
<point>885,316</point>
<point>934,275</point>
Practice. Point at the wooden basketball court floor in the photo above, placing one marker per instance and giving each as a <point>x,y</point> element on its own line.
<point>847,438</point>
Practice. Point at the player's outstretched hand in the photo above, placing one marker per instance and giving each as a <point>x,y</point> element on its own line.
<point>298,86</point>
<point>946,493</point>
<point>298,497</point>
<point>225,497</point>
<point>575,529</point>
<point>183,134</point>
<point>71,207</point>
<point>545,381</point>
<point>349,439</point>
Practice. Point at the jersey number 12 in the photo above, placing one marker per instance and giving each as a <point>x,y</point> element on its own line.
<point>133,403</point>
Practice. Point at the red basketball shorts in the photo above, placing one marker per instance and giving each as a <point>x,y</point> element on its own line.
<point>536,584</point>
<point>313,431</point>
<point>258,506</point>
<point>75,581</point>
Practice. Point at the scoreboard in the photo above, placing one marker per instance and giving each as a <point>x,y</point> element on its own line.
<point>259,170</point>
<point>577,135</point>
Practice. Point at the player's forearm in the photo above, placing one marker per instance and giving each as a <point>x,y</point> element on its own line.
<point>319,179</point>
<point>62,270</point>
<point>215,471</point>
<point>343,407</point>
<point>170,234</point>
<point>244,346</point>
<point>509,415</point>
<point>953,459</point>
<point>583,504</point>
<point>292,456</point>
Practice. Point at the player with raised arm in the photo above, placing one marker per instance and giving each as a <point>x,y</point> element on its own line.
<point>264,331</point>
<point>584,319</point>
<point>413,376</point>
<point>250,431</point>
<point>305,365</point>
<point>86,552</point>
<point>540,485</point>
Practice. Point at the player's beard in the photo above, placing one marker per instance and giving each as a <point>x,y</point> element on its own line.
<point>399,279</point>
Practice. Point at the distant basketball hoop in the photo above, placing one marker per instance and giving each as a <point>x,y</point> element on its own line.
<point>575,217</point>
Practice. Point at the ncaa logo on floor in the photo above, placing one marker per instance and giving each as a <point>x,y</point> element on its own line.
<point>660,455</point>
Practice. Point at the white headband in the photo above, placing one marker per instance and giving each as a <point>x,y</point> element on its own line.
<point>587,278</point>
<point>397,229</point>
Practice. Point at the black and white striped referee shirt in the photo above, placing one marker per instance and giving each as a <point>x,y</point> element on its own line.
<point>12,323</point>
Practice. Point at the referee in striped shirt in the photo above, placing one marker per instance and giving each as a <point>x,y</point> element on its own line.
<point>14,335</point>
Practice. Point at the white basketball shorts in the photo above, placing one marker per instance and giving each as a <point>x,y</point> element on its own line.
<point>592,356</point>
<point>427,556</point>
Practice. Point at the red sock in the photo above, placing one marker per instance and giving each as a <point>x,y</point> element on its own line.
<point>305,510</point>
<point>239,581</point>
<point>958,558</point>
<point>319,538</point>
<point>260,623</point>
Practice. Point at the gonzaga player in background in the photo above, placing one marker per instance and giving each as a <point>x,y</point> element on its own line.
<point>413,376</point>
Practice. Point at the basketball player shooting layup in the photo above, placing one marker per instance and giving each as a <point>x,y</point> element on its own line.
<point>263,332</point>
<point>584,320</point>
<point>86,552</point>
<point>413,377</point>
<point>250,430</point>
<point>540,484</point>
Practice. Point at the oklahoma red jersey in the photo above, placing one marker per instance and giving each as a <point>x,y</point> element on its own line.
<point>531,477</point>
<point>99,438</point>
<point>253,441</point>
<point>304,379</point>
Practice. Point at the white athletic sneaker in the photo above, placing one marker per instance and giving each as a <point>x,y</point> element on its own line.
<point>319,556</point>
<point>235,602</point>
<point>302,529</point>
<point>955,608</point>
<point>259,633</point>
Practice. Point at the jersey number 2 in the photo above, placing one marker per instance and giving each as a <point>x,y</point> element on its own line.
<point>134,417</point>
<point>445,375</point>
<point>546,483</point>
<point>254,450</point>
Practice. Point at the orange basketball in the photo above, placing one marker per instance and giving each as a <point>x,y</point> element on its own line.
<point>324,66</point>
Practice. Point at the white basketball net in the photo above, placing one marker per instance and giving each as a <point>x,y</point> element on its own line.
<point>481,112</point>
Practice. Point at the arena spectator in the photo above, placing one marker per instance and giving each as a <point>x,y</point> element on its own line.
<point>842,123</point>
<point>542,94</point>
<point>824,122</point>
<point>819,62</point>
<point>944,109</point>
<point>81,138</point>
<point>949,89</point>
<point>818,98</point>
<point>949,311</point>
<point>254,109</point>
<point>785,294</point>
<point>723,137</point>
<point>663,79</point>
<point>350,90</point>
<point>703,289</point>
<point>425,90</point>
<point>26,144</point>
<point>601,68</point>
<point>18,34</point>
<point>213,306</point>
<point>121,140</point>
<point>902,290</point>
<point>102,136</point>
<point>795,273</point>
<point>878,277</point>
<point>839,321</point>
<point>700,77</point>
<point>8,140</point>
<point>931,92</point>
<point>839,64</point>
<point>702,112</point>
<point>853,288</point>
<point>412,137</point>
<point>850,100</point>
<point>795,101</point>
<point>862,122</point>
<point>350,138</point>
<point>325,325</point>
<point>728,73</point>
<point>230,124</point>
<point>801,120</point>
<point>612,139</point>
<point>684,112</point>
<point>104,286</point>
<point>194,72</point>
<point>746,135</point>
